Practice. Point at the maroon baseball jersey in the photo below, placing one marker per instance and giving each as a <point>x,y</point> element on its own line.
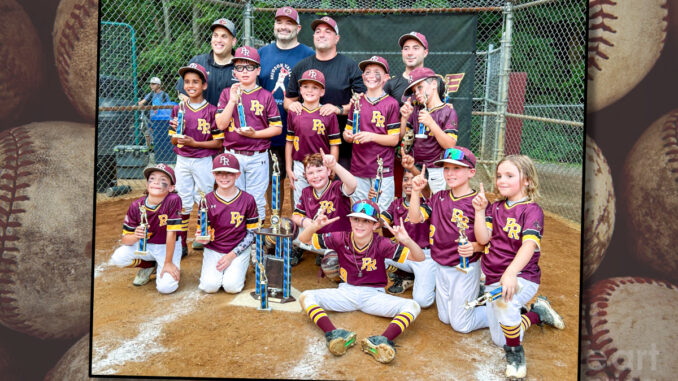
<point>162,218</point>
<point>334,201</point>
<point>380,117</point>
<point>199,124</point>
<point>261,112</point>
<point>511,226</point>
<point>399,209</point>
<point>361,266</point>
<point>441,211</point>
<point>310,131</point>
<point>428,150</point>
<point>229,220</point>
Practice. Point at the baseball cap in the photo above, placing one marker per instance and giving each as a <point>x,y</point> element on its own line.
<point>226,23</point>
<point>415,36</point>
<point>365,209</point>
<point>325,20</point>
<point>155,80</point>
<point>288,12</point>
<point>417,75</point>
<point>313,75</point>
<point>164,168</point>
<point>457,155</point>
<point>374,60</point>
<point>225,162</point>
<point>194,67</point>
<point>246,53</point>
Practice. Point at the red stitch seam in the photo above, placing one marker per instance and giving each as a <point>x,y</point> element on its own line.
<point>670,141</point>
<point>596,43</point>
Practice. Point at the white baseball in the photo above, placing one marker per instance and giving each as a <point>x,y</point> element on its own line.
<point>46,191</point>
<point>599,208</point>
<point>651,175</point>
<point>625,40</point>
<point>75,38</point>
<point>632,330</point>
<point>20,58</point>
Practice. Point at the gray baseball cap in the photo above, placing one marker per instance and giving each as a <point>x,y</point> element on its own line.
<point>226,23</point>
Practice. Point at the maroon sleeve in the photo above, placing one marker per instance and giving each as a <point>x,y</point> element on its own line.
<point>223,99</point>
<point>271,108</point>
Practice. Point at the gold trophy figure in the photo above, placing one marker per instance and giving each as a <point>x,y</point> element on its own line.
<point>356,112</point>
<point>142,250</point>
<point>421,133</point>
<point>202,219</point>
<point>379,179</point>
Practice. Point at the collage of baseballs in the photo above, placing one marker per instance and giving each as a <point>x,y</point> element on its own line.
<point>223,189</point>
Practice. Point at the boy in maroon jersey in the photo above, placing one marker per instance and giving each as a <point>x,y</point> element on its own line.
<point>249,143</point>
<point>378,133</point>
<point>162,209</point>
<point>308,131</point>
<point>361,253</point>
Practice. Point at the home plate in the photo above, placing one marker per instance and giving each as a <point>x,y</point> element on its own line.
<point>244,299</point>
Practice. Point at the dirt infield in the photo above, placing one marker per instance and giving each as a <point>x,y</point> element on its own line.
<point>137,331</point>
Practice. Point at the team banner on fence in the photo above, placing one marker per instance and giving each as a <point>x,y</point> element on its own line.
<point>451,41</point>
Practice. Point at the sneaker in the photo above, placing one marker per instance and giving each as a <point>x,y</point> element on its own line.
<point>400,285</point>
<point>339,340</point>
<point>381,348</point>
<point>144,275</point>
<point>546,313</point>
<point>515,362</point>
<point>197,245</point>
<point>318,259</point>
<point>296,256</point>
<point>184,252</point>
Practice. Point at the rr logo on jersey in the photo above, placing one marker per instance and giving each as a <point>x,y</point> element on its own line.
<point>369,264</point>
<point>237,218</point>
<point>512,228</point>
<point>203,126</point>
<point>162,219</point>
<point>319,126</point>
<point>378,119</point>
<point>257,107</point>
<point>457,213</point>
<point>327,206</point>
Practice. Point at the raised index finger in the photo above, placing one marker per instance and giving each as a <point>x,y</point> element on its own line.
<point>482,189</point>
<point>321,151</point>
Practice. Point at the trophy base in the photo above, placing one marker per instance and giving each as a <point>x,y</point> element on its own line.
<point>203,238</point>
<point>273,298</point>
<point>179,136</point>
<point>281,232</point>
<point>143,253</point>
<point>465,270</point>
<point>421,136</point>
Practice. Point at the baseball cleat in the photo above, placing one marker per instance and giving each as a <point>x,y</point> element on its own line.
<point>515,362</point>
<point>339,340</point>
<point>381,348</point>
<point>400,285</point>
<point>184,252</point>
<point>197,245</point>
<point>296,256</point>
<point>546,313</point>
<point>144,275</point>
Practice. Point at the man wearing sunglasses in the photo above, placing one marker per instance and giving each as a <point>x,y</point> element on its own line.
<point>361,253</point>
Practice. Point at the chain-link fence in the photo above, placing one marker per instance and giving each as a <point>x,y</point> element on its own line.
<point>528,85</point>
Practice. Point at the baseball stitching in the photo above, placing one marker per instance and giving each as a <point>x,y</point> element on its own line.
<point>670,140</point>
<point>596,301</point>
<point>70,35</point>
<point>18,153</point>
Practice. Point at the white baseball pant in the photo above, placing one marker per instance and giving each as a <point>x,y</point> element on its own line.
<point>500,312</point>
<point>453,289</point>
<point>423,291</point>
<point>124,256</point>
<point>193,175</point>
<point>232,279</point>
<point>301,182</point>
<point>387,191</point>
<point>254,178</point>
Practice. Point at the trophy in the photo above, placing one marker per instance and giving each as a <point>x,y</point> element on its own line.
<point>180,120</point>
<point>202,219</point>
<point>143,241</point>
<point>275,194</point>
<point>356,113</point>
<point>421,133</point>
<point>463,265</point>
<point>408,140</point>
<point>379,179</point>
<point>241,110</point>
<point>484,298</point>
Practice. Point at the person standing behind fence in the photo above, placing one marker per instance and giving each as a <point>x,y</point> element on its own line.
<point>159,121</point>
<point>218,62</point>
<point>342,75</point>
<point>277,60</point>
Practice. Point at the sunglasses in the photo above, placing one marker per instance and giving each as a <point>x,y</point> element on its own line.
<point>240,68</point>
<point>363,207</point>
<point>453,154</point>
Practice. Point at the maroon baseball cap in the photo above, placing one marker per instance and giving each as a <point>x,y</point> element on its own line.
<point>194,67</point>
<point>226,23</point>
<point>288,12</point>
<point>164,168</point>
<point>365,209</point>
<point>457,155</point>
<point>372,61</point>
<point>325,20</point>
<point>313,75</point>
<point>415,36</point>
<point>247,53</point>
<point>417,75</point>
<point>225,162</point>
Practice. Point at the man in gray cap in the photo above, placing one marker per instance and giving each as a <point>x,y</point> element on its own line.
<point>218,62</point>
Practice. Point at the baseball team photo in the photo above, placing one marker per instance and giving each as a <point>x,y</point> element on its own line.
<point>339,190</point>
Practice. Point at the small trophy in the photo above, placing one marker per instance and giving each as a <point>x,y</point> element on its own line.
<point>275,195</point>
<point>463,265</point>
<point>241,110</point>
<point>180,121</point>
<point>421,133</point>
<point>408,140</point>
<point>142,250</point>
<point>356,113</point>
<point>484,298</point>
<point>202,219</point>
<point>379,179</point>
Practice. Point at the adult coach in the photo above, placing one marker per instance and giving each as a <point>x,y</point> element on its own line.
<point>218,62</point>
<point>342,75</point>
<point>277,61</point>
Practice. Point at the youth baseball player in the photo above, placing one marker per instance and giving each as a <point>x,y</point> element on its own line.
<point>361,254</point>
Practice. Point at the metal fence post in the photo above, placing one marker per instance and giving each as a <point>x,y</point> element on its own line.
<point>506,43</point>
<point>247,23</point>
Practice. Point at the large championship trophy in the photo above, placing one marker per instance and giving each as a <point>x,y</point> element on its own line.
<point>273,274</point>
<point>379,180</point>
<point>142,250</point>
